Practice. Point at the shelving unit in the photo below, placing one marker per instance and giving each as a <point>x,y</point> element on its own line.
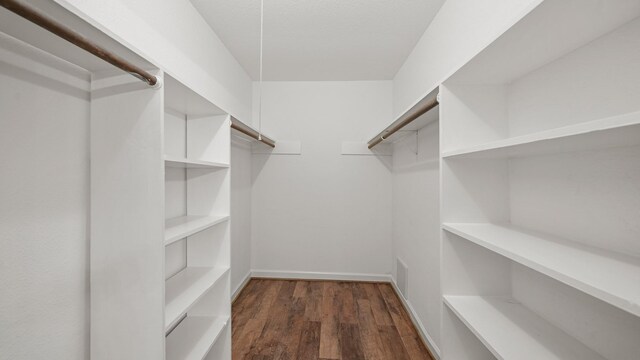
<point>510,331</point>
<point>616,131</point>
<point>184,226</point>
<point>184,289</point>
<point>588,269</point>
<point>77,98</point>
<point>195,337</point>
<point>159,185</point>
<point>196,238</point>
<point>540,146</point>
<point>192,164</point>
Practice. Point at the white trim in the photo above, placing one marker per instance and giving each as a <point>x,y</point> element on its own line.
<point>240,287</point>
<point>309,275</point>
<point>435,351</point>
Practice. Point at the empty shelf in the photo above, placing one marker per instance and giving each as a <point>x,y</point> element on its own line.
<point>511,331</point>
<point>194,337</point>
<point>192,164</point>
<point>610,277</point>
<point>186,288</point>
<point>617,131</point>
<point>183,226</point>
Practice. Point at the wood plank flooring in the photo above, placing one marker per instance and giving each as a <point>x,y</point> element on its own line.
<point>321,320</point>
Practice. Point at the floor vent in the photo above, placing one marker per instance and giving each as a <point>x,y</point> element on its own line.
<point>402,277</point>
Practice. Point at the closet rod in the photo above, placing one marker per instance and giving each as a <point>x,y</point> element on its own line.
<point>71,36</point>
<point>400,123</point>
<point>241,127</point>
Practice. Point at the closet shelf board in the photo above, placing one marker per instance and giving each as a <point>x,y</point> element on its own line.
<point>512,332</point>
<point>610,277</point>
<point>185,288</point>
<point>185,163</point>
<point>183,226</point>
<point>194,337</point>
<point>616,131</point>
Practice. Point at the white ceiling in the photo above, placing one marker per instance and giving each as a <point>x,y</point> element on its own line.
<point>321,39</point>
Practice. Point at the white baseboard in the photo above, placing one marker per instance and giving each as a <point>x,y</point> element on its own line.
<point>435,351</point>
<point>240,287</point>
<point>310,275</point>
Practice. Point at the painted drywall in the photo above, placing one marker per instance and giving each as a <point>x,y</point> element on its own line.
<point>174,37</point>
<point>460,30</point>
<point>322,211</point>
<point>240,212</point>
<point>416,222</point>
<point>44,207</point>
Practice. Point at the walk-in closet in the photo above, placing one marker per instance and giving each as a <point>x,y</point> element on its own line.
<point>320,180</point>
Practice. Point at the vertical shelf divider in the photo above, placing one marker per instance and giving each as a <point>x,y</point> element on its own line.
<point>197,153</point>
<point>126,253</point>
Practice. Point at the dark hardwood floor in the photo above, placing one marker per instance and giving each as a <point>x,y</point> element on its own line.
<point>312,320</point>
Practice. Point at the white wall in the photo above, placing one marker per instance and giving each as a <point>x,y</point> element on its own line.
<point>416,222</point>
<point>322,211</point>
<point>240,212</point>
<point>458,32</point>
<point>174,37</point>
<point>44,208</point>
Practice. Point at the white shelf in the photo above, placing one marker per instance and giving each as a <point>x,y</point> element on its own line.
<point>194,337</point>
<point>511,331</point>
<point>610,277</point>
<point>185,288</point>
<point>185,163</point>
<point>183,226</point>
<point>182,99</point>
<point>616,131</point>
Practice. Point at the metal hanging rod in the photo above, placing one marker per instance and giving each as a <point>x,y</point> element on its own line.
<point>402,122</point>
<point>80,41</point>
<point>245,129</point>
